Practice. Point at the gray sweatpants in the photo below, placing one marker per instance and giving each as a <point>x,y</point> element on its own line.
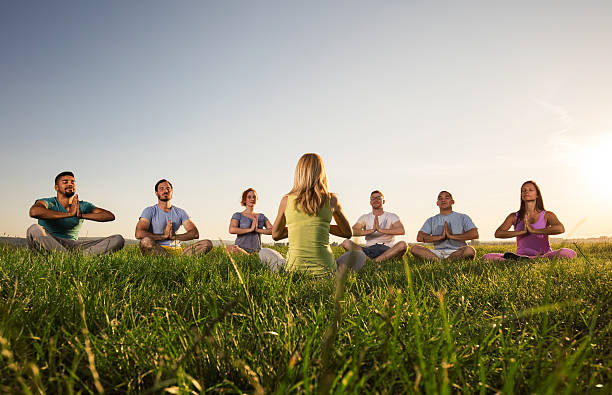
<point>39,239</point>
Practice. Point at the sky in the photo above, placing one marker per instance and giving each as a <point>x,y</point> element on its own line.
<point>408,97</point>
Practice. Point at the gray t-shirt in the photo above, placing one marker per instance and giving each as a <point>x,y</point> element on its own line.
<point>250,242</point>
<point>158,219</point>
<point>457,222</point>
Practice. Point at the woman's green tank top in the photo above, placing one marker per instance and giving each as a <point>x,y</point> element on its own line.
<point>309,248</point>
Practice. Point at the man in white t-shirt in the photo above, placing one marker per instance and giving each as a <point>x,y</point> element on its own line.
<point>379,228</point>
<point>448,232</point>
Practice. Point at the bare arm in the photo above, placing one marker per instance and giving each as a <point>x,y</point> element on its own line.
<point>397,228</point>
<point>553,226</point>
<point>235,229</point>
<point>503,231</point>
<point>359,229</point>
<point>191,232</point>
<point>342,227</point>
<point>423,237</point>
<point>99,214</point>
<point>142,231</point>
<point>39,210</point>
<point>471,234</point>
<point>267,230</point>
<point>279,229</point>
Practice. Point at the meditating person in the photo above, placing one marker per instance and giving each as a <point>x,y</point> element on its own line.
<point>532,226</point>
<point>448,231</point>
<point>305,214</point>
<point>60,219</point>
<point>249,226</point>
<point>379,228</point>
<point>157,226</point>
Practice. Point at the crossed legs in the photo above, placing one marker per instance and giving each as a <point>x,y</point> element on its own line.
<point>148,246</point>
<point>465,252</point>
<point>396,251</point>
<point>39,239</point>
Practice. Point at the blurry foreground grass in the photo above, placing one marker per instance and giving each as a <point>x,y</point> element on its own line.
<point>128,323</point>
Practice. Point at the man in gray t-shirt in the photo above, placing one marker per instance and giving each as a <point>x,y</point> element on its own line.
<point>448,232</point>
<point>157,226</point>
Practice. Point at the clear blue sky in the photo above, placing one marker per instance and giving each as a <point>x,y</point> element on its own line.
<point>409,97</point>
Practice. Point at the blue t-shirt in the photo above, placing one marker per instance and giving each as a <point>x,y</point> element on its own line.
<point>457,223</point>
<point>158,219</point>
<point>250,242</point>
<point>64,228</point>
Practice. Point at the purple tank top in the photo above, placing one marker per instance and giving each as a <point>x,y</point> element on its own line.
<point>530,244</point>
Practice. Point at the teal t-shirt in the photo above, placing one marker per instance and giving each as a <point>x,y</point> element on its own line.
<point>65,228</point>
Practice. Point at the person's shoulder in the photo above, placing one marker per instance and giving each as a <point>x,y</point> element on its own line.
<point>179,210</point>
<point>51,203</point>
<point>461,215</point>
<point>86,207</point>
<point>237,215</point>
<point>433,217</point>
<point>149,210</point>
<point>365,216</point>
<point>48,200</point>
<point>392,215</point>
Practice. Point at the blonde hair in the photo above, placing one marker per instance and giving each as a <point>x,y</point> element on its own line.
<point>310,184</point>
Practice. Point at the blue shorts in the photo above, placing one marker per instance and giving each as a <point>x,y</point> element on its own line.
<point>375,250</point>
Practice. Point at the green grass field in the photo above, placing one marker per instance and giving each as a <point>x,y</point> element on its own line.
<point>128,323</point>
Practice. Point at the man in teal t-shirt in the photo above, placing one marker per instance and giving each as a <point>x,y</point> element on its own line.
<point>61,217</point>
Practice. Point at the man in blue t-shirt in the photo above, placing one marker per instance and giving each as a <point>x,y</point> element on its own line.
<point>157,226</point>
<point>448,232</point>
<point>61,217</point>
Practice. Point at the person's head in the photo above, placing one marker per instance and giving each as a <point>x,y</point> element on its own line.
<point>377,199</point>
<point>310,184</point>
<point>65,183</point>
<point>163,190</point>
<point>445,200</point>
<point>530,192</point>
<point>249,197</point>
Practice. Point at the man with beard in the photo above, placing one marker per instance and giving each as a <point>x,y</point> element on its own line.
<point>61,217</point>
<point>157,226</point>
<point>379,228</point>
<point>448,232</point>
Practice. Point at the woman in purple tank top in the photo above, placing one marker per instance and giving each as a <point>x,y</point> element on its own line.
<point>532,225</point>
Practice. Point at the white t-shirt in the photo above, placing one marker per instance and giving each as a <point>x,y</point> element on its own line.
<point>385,220</point>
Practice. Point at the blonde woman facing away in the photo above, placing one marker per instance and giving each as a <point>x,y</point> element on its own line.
<point>304,216</point>
<point>532,226</point>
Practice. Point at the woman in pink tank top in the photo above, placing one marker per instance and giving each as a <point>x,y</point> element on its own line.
<point>532,225</point>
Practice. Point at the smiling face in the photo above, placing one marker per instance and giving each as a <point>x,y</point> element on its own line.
<point>529,192</point>
<point>445,201</point>
<point>66,185</point>
<point>164,191</point>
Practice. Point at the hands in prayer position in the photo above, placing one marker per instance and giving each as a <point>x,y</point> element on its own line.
<point>168,230</point>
